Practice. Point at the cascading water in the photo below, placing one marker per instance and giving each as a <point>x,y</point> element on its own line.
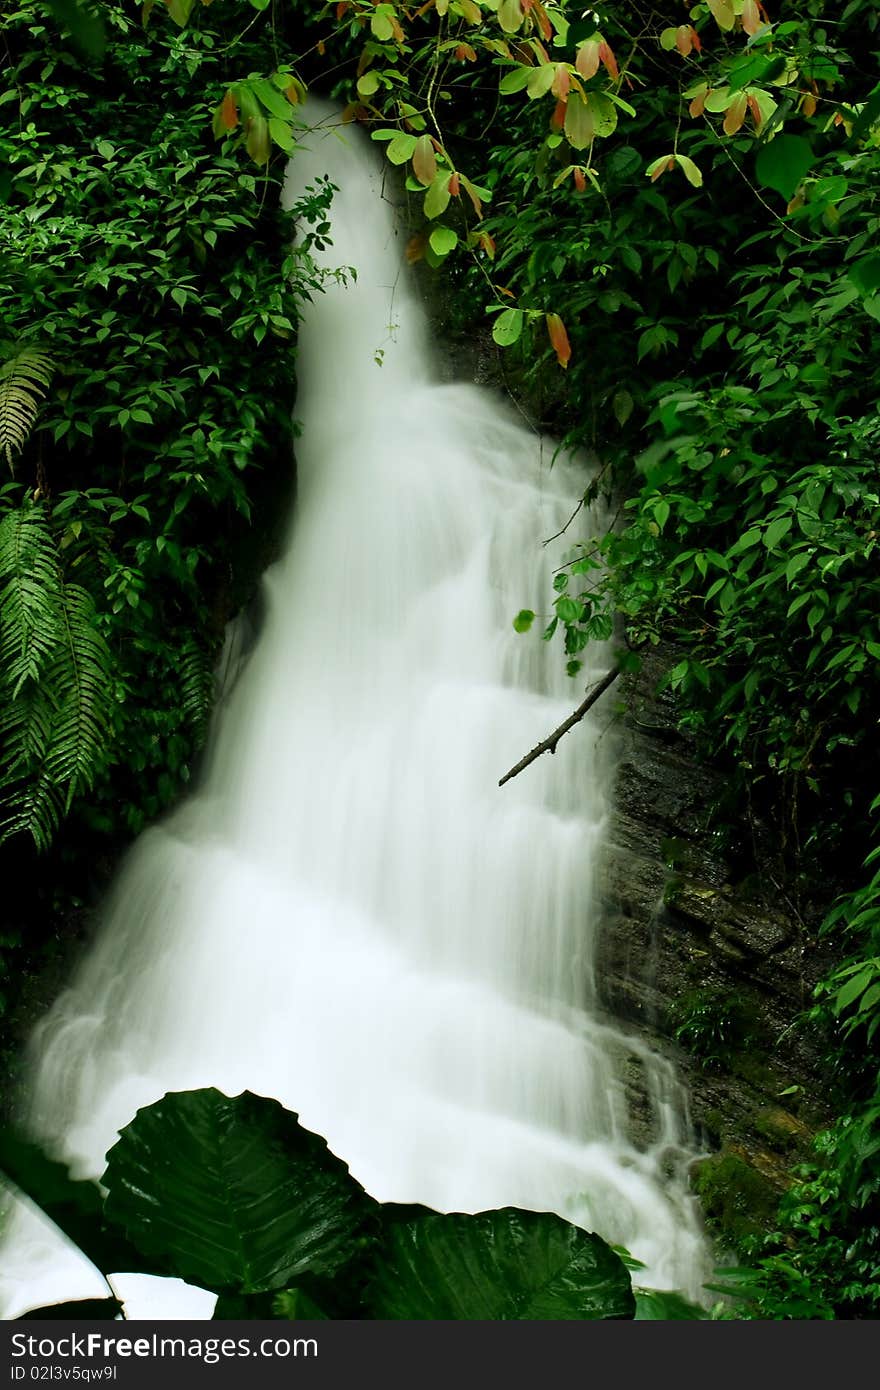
<point>350,915</point>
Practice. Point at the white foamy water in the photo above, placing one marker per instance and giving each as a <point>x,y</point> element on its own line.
<point>350,915</point>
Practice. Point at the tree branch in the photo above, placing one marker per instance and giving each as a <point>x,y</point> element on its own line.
<point>549,744</point>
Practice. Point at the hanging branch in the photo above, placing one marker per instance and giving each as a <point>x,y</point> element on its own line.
<point>549,744</point>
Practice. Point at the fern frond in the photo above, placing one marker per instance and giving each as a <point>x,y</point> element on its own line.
<point>82,680</point>
<point>196,684</point>
<point>24,380</point>
<point>57,701</point>
<point>30,596</point>
<point>33,808</point>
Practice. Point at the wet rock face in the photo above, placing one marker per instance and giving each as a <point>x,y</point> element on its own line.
<point>701,953</point>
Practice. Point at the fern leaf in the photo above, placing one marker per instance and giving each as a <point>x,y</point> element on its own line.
<point>57,705</point>
<point>30,596</point>
<point>24,380</point>
<point>82,677</point>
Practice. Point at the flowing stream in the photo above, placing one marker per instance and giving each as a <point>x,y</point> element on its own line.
<point>350,915</point>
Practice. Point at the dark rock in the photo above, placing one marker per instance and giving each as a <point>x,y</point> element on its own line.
<point>702,954</point>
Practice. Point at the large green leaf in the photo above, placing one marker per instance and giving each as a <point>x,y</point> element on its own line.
<point>233,1194</point>
<point>496,1266</point>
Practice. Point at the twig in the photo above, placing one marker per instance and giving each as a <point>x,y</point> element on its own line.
<point>549,744</point>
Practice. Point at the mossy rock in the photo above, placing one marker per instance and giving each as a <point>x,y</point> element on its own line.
<point>737,1200</point>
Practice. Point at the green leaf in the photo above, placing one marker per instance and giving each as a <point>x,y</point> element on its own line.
<point>865,275</point>
<point>232,1193</point>
<point>282,134</point>
<point>655,1305</point>
<point>438,197</point>
<point>508,327</point>
<point>515,81</point>
<point>690,170</point>
<point>783,162</point>
<point>368,84</point>
<point>776,530</point>
<point>401,148</point>
<point>496,1266</point>
<point>443,240</point>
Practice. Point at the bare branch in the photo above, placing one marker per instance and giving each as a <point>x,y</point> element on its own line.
<point>549,744</point>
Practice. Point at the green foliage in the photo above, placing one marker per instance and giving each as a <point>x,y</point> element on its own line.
<point>711,1025</point>
<point>151,296</point>
<point>56,679</point>
<point>234,1194</point>
<point>24,379</point>
<point>251,1201</point>
<point>498,1265</point>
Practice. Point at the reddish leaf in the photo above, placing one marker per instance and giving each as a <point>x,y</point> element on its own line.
<point>488,244</point>
<point>454,185</point>
<point>543,22</point>
<point>606,56</point>
<point>755,110</point>
<point>561,82</point>
<point>465,54</point>
<point>751,18</point>
<point>580,181</point>
<point>736,114</point>
<point>809,105</point>
<point>228,112</point>
<point>424,161</point>
<point>322,47</point>
<point>557,120</point>
<point>698,105</point>
<point>559,339</point>
<point>695,40</point>
<point>587,60</point>
<point>683,41</point>
<point>341,9</point>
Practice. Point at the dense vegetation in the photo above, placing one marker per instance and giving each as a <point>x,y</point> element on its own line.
<point>670,213</point>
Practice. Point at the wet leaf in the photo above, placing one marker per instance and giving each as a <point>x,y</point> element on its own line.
<point>424,161</point>
<point>559,339</point>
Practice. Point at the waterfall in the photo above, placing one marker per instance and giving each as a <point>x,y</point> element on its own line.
<point>350,915</point>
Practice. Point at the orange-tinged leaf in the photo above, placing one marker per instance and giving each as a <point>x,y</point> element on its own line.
<point>751,17</point>
<point>559,339</point>
<point>488,244</point>
<point>809,104</point>
<point>736,114</point>
<point>606,56</point>
<point>397,29</point>
<point>755,110</point>
<point>557,120</point>
<point>257,142</point>
<point>424,161</point>
<point>228,112</point>
<point>465,54</point>
<point>341,9</point>
<point>587,60</point>
<point>561,82</point>
<point>580,181</point>
<point>502,289</point>
<point>696,41</point>
<point>683,40</point>
<point>415,248</point>
<point>698,105</point>
<point>543,21</point>
<point>454,185</point>
<point>322,47</point>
